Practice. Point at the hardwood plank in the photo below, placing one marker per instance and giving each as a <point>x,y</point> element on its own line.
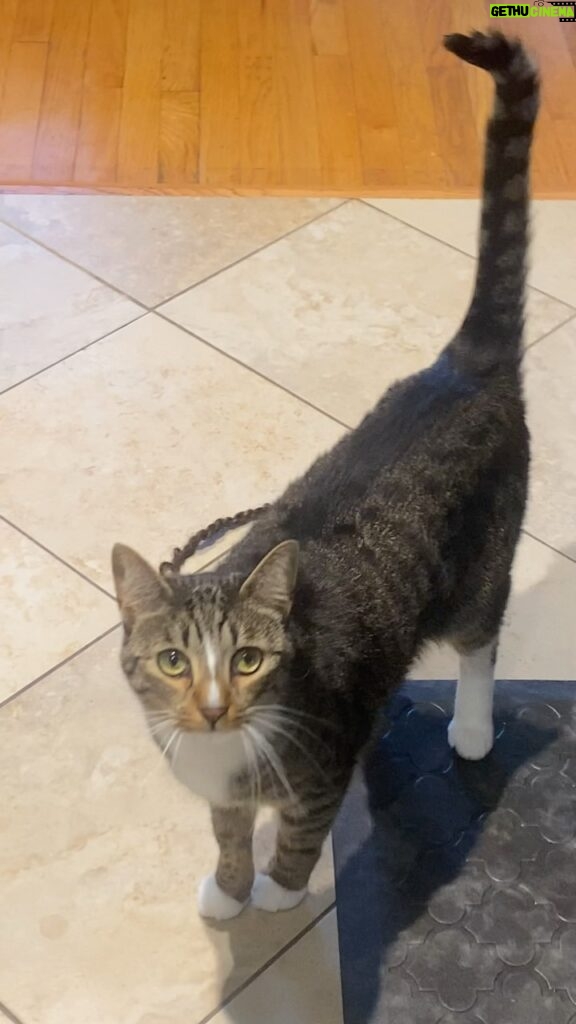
<point>339,140</point>
<point>219,159</point>
<point>55,148</point>
<point>479,87</point>
<point>328,25</point>
<point>97,152</point>
<point>219,25</point>
<point>256,27</point>
<point>420,145</point>
<point>34,21</point>
<point>435,21</point>
<point>179,137</point>
<point>566,138</point>
<point>140,116</point>
<point>181,58</point>
<point>20,108</point>
<point>297,112</point>
<point>260,162</point>
<point>455,126</point>
<point>547,161</point>
<point>8,14</point>
<point>480,94</point>
<point>569,34</point>
<point>546,38</point>
<point>264,96</point>
<point>106,53</point>
<point>376,111</point>
<point>258,85</point>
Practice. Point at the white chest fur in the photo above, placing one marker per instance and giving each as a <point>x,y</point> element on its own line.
<point>208,763</point>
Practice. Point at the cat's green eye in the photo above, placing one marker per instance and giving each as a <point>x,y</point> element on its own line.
<point>246,661</point>
<point>173,663</point>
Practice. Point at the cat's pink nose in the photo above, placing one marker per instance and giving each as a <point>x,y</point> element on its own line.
<point>213,715</point>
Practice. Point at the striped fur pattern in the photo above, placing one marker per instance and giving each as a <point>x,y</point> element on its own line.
<point>279,661</point>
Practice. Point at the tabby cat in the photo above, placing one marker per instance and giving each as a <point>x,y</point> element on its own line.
<point>263,679</point>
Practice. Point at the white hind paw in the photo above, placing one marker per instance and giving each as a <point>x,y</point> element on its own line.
<point>215,903</point>
<point>472,742</point>
<point>268,895</point>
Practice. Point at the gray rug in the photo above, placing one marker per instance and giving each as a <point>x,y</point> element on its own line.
<point>456,882</point>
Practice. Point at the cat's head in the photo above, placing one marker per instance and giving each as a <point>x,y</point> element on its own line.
<point>201,650</point>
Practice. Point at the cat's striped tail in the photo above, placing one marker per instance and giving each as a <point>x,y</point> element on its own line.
<point>491,334</point>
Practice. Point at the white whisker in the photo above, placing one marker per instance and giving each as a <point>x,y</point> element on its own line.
<point>272,758</point>
<point>295,713</point>
<point>159,720</point>
<point>284,715</point>
<point>155,729</point>
<point>177,747</point>
<point>173,736</point>
<point>300,728</point>
<point>247,743</point>
<point>272,724</point>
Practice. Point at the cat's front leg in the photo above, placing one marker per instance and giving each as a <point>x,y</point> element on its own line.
<point>301,834</point>
<point>225,893</point>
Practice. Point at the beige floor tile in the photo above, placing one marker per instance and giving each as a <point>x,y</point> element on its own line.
<point>48,308</point>
<point>47,611</point>
<point>539,638</point>
<point>550,379</point>
<point>553,252</point>
<point>302,987</point>
<point>102,850</point>
<point>144,438</point>
<point>152,247</point>
<point>342,308</point>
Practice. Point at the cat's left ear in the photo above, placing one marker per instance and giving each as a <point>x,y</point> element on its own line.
<point>272,582</point>
<point>139,589</point>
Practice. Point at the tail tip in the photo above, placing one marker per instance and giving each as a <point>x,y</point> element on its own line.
<point>493,51</point>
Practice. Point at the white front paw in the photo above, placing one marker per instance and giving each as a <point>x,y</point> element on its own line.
<point>472,742</point>
<point>214,902</point>
<point>268,895</point>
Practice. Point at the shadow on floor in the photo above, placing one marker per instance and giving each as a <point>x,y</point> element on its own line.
<point>421,838</point>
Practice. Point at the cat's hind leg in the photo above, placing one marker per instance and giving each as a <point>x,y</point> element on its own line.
<point>471,731</point>
<point>474,635</point>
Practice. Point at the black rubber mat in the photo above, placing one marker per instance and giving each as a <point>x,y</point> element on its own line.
<point>456,882</point>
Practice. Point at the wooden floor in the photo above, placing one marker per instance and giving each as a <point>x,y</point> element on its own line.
<point>351,97</point>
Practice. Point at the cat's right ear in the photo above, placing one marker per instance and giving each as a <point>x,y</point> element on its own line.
<point>139,589</point>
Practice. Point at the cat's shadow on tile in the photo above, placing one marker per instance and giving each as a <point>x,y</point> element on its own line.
<point>411,843</point>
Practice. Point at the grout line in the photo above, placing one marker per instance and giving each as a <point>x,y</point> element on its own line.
<point>269,963</point>
<point>58,558</point>
<point>76,352</point>
<point>8,1013</point>
<point>59,665</point>
<point>251,369</point>
<point>548,333</point>
<point>248,255</point>
<point>144,306</point>
<point>71,263</point>
<point>557,551</point>
<point>450,245</point>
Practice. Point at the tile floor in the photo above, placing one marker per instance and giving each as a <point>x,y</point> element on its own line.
<point>163,362</point>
